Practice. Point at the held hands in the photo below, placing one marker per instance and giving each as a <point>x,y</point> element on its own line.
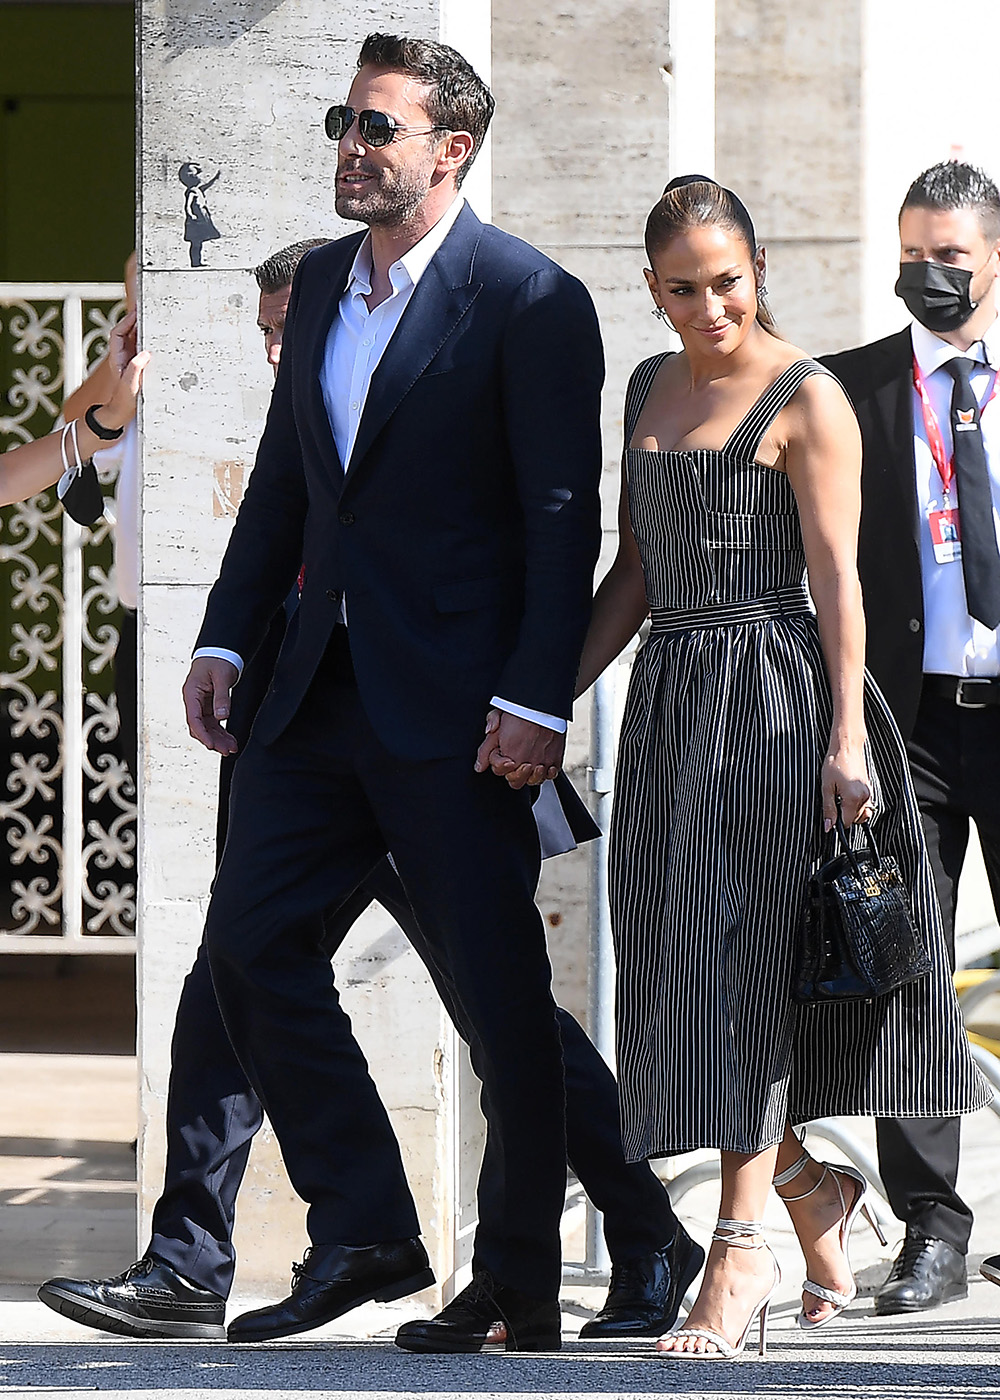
<point>127,365</point>
<point>206,701</point>
<point>845,774</point>
<point>519,750</point>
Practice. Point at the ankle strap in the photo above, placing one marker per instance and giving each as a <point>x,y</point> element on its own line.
<point>791,1172</point>
<point>739,1233</point>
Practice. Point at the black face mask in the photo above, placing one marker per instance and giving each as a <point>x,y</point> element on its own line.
<point>936,295</point>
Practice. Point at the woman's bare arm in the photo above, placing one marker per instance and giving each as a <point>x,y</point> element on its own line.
<point>620,605</point>
<point>823,461</point>
<point>26,470</point>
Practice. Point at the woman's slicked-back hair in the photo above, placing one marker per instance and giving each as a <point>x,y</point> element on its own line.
<point>951,184</point>
<point>695,201</point>
<point>457,97</point>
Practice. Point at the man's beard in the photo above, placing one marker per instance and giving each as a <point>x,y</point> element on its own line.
<point>395,198</point>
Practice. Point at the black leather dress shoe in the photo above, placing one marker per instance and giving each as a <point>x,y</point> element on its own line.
<point>148,1300</point>
<point>646,1294</point>
<point>523,1323</point>
<point>927,1272</point>
<point>990,1268</point>
<point>331,1280</point>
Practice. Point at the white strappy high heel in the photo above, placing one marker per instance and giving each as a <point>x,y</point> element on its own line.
<point>742,1234</point>
<point>839,1301</point>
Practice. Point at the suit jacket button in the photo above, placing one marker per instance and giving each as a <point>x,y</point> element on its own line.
<point>333,595</point>
<point>914,624</point>
<point>346,518</point>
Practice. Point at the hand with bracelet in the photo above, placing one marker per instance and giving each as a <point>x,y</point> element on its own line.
<point>26,470</point>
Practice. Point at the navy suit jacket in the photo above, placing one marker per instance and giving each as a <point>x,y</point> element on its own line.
<point>879,379</point>
<point>466,531</point>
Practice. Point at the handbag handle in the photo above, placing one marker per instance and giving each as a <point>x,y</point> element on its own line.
<point>849,851</point>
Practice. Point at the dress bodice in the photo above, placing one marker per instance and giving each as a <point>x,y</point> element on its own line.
<point>715,527</point>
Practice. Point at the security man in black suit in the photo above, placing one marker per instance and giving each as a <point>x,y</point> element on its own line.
<point>930,570</point>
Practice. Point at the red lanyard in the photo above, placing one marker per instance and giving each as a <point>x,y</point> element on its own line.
<point>944,464</point>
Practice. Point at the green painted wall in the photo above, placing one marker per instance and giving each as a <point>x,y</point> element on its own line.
<point>67,141</point>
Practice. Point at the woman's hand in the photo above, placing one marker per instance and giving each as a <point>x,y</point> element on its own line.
<point>845,775</point>
<point>127,366</point>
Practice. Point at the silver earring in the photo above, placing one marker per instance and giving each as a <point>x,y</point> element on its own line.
<point>762,290</point>
<point>659,313</point>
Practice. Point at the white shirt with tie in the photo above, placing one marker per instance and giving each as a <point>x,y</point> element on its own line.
<point>355,344</point>
<point>955,644</point>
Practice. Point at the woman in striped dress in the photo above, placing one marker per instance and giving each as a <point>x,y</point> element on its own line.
<point>747,717</point>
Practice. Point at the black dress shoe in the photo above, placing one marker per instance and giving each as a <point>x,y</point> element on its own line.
<point>927,1272</point>
<point>331,1280</point>
<point>527,1324</point>
<point>148,1300</point>
<point>990,1268</point>
<point>646,1294</point>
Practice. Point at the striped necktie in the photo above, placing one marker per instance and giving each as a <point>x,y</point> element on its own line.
<point>980,557</point>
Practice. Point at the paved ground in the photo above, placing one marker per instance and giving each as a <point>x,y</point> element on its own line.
<point>956,1356</point>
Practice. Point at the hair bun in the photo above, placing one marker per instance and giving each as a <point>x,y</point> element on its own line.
<point>680,180</point>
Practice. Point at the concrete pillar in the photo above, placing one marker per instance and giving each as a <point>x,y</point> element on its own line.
<point>240,87</point>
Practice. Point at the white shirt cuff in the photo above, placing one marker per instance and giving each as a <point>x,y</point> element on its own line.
<point>223,655</point>
<point>553,722</point>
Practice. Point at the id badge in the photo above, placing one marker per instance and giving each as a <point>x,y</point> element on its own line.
<point>945,535</point>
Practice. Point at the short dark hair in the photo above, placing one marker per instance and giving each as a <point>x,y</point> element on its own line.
<point>457,97</point>
<point>277,271</point>
<point>951,184</point>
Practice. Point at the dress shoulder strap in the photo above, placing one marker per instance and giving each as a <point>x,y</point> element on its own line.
<point>639,386</point>
<point>746,437</point>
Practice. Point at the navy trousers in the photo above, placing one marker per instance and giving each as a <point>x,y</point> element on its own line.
<point>271,962</point>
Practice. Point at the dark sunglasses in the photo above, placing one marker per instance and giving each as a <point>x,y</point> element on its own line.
<point>376,128</point>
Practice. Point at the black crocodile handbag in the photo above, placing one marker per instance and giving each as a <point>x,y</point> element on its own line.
<point>857,940</point>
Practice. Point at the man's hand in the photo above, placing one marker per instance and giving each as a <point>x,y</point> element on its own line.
<point>206,700</point>
<point>519,750</point>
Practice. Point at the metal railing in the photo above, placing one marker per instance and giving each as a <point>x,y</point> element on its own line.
<point>67,804</point>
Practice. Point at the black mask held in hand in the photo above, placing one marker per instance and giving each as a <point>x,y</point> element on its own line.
<point>81,495</point>
<point>936,295</point>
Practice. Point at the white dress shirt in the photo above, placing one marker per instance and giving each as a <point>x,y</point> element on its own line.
<point>356,342</point>
<point>955,644</point>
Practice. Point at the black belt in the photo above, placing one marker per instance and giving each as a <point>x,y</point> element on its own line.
<point>967,692</point>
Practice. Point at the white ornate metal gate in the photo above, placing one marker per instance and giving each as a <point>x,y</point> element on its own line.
<point>67,801</point>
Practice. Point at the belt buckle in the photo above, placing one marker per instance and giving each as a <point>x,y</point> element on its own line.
<point>960,700</point>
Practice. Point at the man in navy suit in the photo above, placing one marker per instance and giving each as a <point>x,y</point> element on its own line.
<point>432,454</point>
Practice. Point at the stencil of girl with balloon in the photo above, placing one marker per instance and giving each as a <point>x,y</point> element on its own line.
<point>198,225</point>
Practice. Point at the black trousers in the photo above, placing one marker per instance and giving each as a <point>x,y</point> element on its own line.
<point>954,756</point>
<point>213,1114</point>
<point>310,816</point>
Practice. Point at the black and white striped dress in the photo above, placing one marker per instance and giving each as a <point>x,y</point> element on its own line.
<point>718,823</point>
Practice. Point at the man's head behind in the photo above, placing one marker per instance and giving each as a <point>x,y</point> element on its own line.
<point>949,250</point>
<point>274,278</point>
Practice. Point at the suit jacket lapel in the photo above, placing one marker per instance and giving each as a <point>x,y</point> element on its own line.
<point>439,301</point>
<point>314,350</point>
<point>894,407</point>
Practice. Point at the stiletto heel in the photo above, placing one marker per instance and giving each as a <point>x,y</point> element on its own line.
<point>740,1234</point>
<point>872,1219</point>
<point>858,1206</point>
<point>765,1314</point>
